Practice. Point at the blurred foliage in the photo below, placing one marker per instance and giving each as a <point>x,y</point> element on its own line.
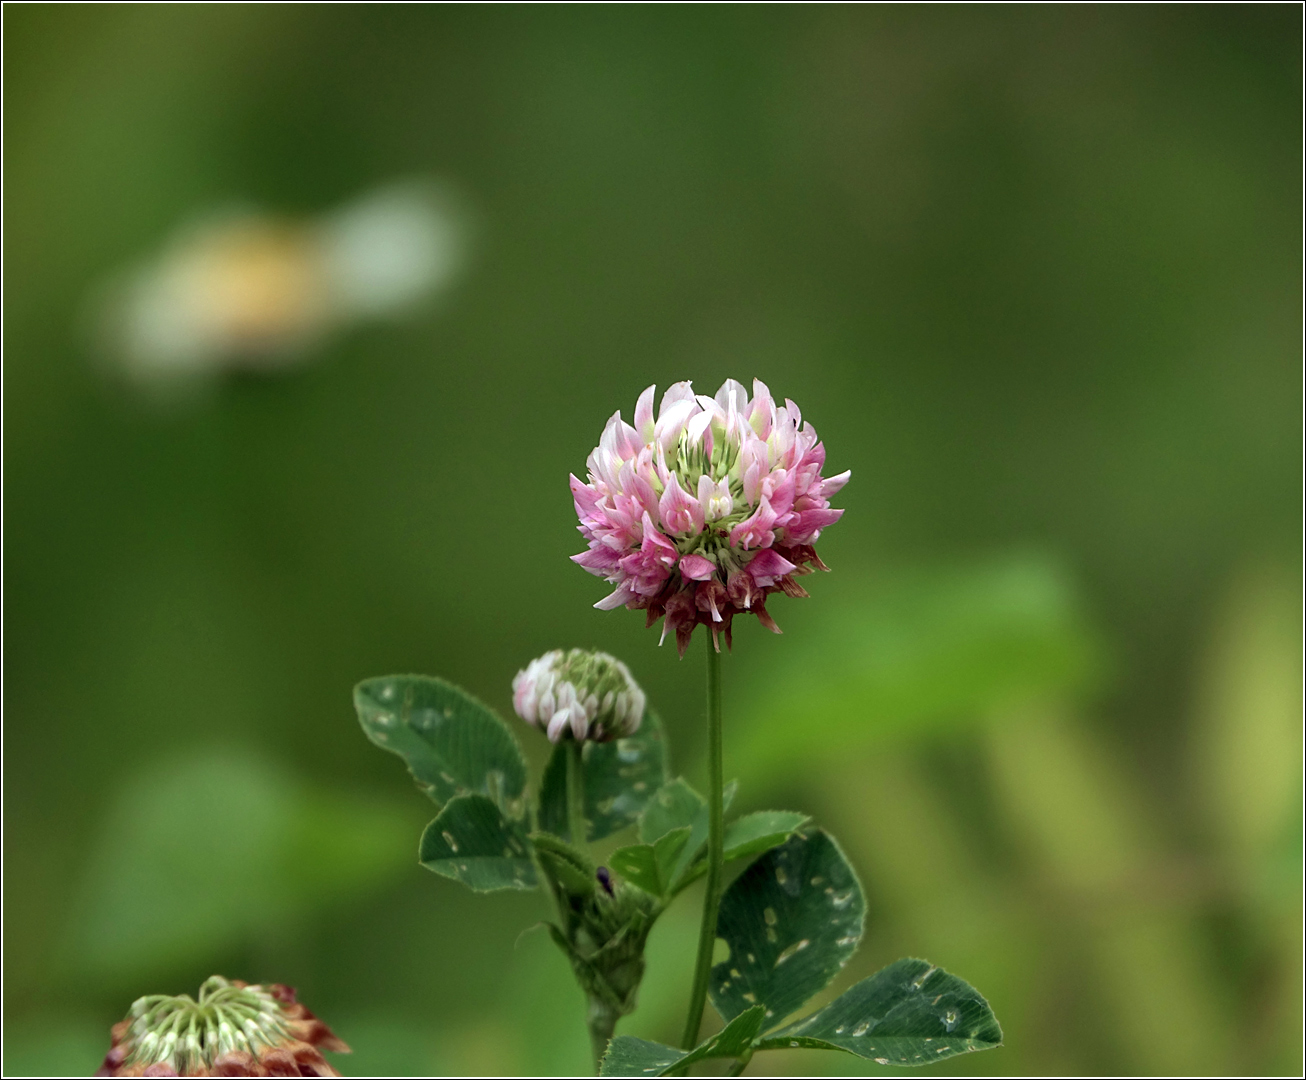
<point>912,655</point>
<point>198,854</point>
<point>1032,272</point>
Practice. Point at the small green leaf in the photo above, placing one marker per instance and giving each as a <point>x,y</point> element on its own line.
<point>676,804</point>
<point>668,850</point>
<point>453,744</point>
<point>746,836</point>
<point>792,920</point>
<point>472,842</point>
<point>629,1056</point>
<point>735,1038</point>
<point>621,777</point>
<point>569,867</point>
<point>909,1013</point>
<point>637,863</point>
<point>651,866</point>
<point>755,833</point>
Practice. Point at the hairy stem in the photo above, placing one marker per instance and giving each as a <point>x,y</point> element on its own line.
<point>575,793</point>
<point>712,895</point>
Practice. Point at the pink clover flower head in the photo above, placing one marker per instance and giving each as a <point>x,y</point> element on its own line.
<point>579,694</point>
<point>700,513</point>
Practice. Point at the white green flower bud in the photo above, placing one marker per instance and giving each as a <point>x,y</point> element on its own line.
<point>581,693</point>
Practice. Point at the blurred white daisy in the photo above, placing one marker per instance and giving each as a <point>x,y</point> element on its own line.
<point>243,289</point>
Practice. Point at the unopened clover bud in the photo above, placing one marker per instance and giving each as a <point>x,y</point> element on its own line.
<point>233,1029</point>
<point>581,694</point>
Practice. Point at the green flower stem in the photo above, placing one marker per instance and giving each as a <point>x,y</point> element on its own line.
<point>575,793</point>
<point>739,1065</point>
<point>712,896</point>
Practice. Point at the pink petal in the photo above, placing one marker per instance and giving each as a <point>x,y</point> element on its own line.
<point>755,531</point>
<point>761,410</point>
<point>779,491</point>
<point>732,392</point>
<point>558,725</point>
<point>768,565</point>
<point>655,541</point>
<point>699,430</point>
<point>697,568</point>
<point>714,498</point>
<point>680,512</point>
<point>681,391</point>
<point>806,527</point>
<point>644,414</point>
<point>795,414</point>
<point>672,422</point>
<point>598,560</point>
<point>832,484</point>
<point>622,595</point>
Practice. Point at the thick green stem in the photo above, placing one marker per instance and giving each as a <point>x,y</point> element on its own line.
<point>602,1021</point>
<point>712,895</point>
<point>575,793</point>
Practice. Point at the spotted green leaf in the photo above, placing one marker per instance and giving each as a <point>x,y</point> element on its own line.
<point>471,841</point>
<point>909,1013</point>
<point>620,777</point>
<point>629,1056</point>
<point>453,745</point>
<point>791,920</point>
<point>651,866</point>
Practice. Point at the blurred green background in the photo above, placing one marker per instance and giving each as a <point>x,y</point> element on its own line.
<point>1034,275</point>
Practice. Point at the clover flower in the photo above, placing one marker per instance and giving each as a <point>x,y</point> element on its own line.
<point>700,514</point>
<point>234,1029</point>
<point>587,695</point>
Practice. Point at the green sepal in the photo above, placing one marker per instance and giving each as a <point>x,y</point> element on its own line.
<point>572,869</point>
<point>587,973</point>
<point>791,920</point>
<point>604,940</point>
<point>651,866</point>
<point>629,1056</point>
<point>471,841</point>
<point>620,777</point>
<point>909,1013</point>
<point>453,745</point>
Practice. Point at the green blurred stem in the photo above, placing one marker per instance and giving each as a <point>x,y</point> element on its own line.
<point>602,1021</point>
<point>712,895</point>
<point>575,792</point>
